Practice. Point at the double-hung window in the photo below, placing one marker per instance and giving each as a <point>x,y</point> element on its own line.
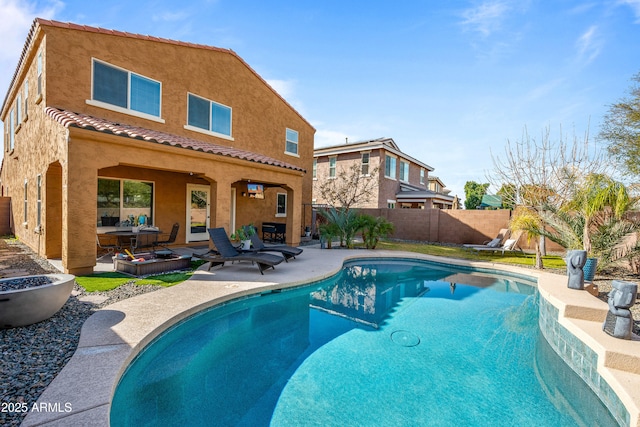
<point>422,176</point>
<point>39,201</point>
<point>332,167</point>
<point>365,164</point>
<point>315,168</point>
<point>128,92</point>
<point>39,71</point>
<point>390,167</point>
<point>404,171</point>
<point>26,99</point>
<point>12,130</point>
<point>292,142</point>
<point>281,204</point>
<point>19,109</point>
<point>25,201</point>
<point>203,114</point>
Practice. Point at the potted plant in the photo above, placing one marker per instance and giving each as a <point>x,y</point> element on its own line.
<point>243,234</point>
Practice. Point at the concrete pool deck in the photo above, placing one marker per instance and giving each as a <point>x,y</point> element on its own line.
<point>113,336</point>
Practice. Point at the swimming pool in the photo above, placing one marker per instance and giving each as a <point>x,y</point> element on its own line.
<point>382,343</point>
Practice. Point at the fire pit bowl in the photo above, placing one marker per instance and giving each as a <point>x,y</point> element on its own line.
<point>31,299</point>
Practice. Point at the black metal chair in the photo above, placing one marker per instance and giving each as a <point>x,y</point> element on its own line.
<point>171,239</point>
<point>109,247</point>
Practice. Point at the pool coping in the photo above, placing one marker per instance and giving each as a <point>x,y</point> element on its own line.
<point>113,336</point>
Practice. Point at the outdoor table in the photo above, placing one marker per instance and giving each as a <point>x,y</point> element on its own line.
<point>135,239</point>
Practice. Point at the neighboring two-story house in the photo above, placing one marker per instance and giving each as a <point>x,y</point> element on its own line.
<point>102,125</point>
<point>401,180</point>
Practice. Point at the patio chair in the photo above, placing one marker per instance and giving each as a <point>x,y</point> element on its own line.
<point>502,236</point>
<point>225,251</point>
<point>171,239</point>
<point>510,245</point>
<point>287,252</point>
<point>109,247</point>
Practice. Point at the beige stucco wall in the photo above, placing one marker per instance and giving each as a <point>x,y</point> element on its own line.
<point>70,160</point>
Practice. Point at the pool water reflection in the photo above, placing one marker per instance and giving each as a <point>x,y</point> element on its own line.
<point>382,343</point>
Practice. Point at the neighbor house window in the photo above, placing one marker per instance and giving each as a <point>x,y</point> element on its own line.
<point>391,204</point>
<point>25,201</point>
<point>404,171</point>
<point>365,164</point>
<point>292,142</point>
<point>26,98</point>
<point>12,130</point>
<point>19,109</point>
<point>332,167</point>
<point>315,168</point>
<point>120,200</point>
<point>39,71</point>
<point>208,115</point>
<point>422,176</point>
<point>281,202</point>
<point>39,201</point>
<point>390,167</point>
<point>125,90</point>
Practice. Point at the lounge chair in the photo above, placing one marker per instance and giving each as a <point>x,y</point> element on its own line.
<point>226,252</point>
<point>287,252</point>
<point>502,236</point>
<point>510,245</point>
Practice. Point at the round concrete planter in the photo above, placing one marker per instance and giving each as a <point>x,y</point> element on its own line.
<point>21,307</point>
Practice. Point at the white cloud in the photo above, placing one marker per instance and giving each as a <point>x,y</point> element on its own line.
<point>589,45</point>
<point>634,5</point>
<point>487,17</point>
<point>170,16</point>
<point>325,137</point>
<point>287,90</point>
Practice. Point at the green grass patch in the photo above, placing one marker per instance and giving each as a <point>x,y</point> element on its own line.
<point>513,258</point>
<point>111,280</point>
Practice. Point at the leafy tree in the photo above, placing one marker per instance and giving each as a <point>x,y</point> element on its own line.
<point>621,129</point>
<point>473,193</point>
<point>508,193</point>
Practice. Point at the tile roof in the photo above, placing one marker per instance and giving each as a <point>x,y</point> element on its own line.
<point>84,121</point>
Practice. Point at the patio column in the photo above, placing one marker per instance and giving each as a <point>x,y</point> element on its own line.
<point>294,214</point>
<point>221,202</point>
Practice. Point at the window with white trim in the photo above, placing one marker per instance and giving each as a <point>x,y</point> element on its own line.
<point>421,175</point>
<point>26,98</point>
<point>332,167</point>
<point>315,167</point>
<point>404,171</point>
<point>391,204</point>
<point>19,109</point>
<point>39,201</point>
<point>122,199</point>
<point>365,163</point>
<point>115,86</point>
<point>12,130</point>
<point>25,201</point>
<point>292,142</point>
<point>390,167</point>
<point>281,204</point>
<point>208,115</point>
<point>39,71</point>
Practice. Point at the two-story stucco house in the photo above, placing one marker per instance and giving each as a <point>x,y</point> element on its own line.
<point>102,125</point>
<point>401,180</point>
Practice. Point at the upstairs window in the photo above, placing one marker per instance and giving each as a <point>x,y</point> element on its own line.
<point>39,70</point>
<point>404,171</point>
<point>422,176</point>
<point>332,167</point>
<point>12,130</point>
<point>126,90</point>
<point>365,164</point>
<point>292,142</point>
<point>26,98</point>
<point>315,168</point>
<point>208,115</point>
<point>390,167</point>
<point>19,109</point>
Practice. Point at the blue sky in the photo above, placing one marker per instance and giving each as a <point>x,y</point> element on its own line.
<point>449,81</point>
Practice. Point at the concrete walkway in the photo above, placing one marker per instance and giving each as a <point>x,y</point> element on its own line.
<point>113,336</point>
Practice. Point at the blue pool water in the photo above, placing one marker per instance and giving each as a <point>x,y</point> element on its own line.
<point>401,343</point>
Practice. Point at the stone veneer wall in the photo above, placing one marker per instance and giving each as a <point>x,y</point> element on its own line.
<point>581,358</point>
